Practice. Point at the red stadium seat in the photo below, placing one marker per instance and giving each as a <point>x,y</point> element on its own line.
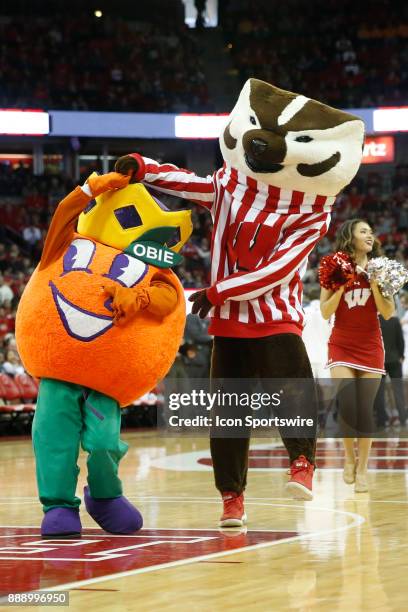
<point>10,408</point>
<point>16,416</point>
<point>28,390</point>
<point>9,391</point>
<point>30,408</point>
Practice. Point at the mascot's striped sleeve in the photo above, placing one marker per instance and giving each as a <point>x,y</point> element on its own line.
<point>261,240</point>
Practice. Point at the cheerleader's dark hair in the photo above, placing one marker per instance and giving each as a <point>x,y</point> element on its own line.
<point>345,237</point>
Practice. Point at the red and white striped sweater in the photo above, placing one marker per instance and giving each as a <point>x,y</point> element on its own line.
<point>261,240</point>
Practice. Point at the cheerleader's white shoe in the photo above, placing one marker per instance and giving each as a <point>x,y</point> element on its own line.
<point>349,473</point>
<point>361,485</point>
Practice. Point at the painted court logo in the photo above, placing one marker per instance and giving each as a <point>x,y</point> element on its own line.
<point>28,562</point>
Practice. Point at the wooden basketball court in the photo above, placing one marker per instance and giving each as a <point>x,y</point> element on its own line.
<point>342,551</point>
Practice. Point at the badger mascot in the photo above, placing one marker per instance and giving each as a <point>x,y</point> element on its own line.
<point>286,157</point>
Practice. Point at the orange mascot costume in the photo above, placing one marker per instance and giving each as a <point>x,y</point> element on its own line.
<point>99,323</point>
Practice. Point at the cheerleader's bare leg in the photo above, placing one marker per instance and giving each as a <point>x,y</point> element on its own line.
<point>347,404</point>
<point>368,386</point>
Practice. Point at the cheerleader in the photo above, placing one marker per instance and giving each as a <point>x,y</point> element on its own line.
<point>355,347</point>
<point>404,325</point>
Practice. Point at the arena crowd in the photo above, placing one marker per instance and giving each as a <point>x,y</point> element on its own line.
<point>27,203</point>
<point>355,57</point>
<point>84,63</point>
<point>352,57</point>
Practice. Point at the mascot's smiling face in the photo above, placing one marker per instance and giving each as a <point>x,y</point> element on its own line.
<point>290,141</point>
<point>77,296</point>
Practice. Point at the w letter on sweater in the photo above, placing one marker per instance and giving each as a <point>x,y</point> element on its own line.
<point>357,297</point>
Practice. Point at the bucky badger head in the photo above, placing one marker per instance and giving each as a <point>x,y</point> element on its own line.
<point>290,141</point>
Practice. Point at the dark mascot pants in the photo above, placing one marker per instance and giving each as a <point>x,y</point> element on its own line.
<point>280,356</point>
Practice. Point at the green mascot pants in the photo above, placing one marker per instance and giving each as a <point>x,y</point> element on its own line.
<point>66,416</point>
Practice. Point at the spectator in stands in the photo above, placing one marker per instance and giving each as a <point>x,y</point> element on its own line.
<point>402,223</point>
<point>6,293</point>
<point>194,361</point>
<point>56,191</point>
<point>34,199</point>
<point>3,257</point>
<point>9,342</point>
<point>204,253</point>
<point>196,333</point>
<point>394,347</point>
<point>32,233</point>
<point>310,278</point>
<point>196,330</point>
<point>324,246</point>
<point>12,364</point>
<point>178,370</point>
<point>404,325</point>
<point>389,247</point>
<point>7,321</point>
<point>188,280</point>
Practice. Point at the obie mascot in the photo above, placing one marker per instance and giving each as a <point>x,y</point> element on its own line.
<point>100,322</point>
<point>285,159</point>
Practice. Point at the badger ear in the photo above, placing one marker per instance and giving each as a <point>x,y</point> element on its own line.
<point>229,140</point>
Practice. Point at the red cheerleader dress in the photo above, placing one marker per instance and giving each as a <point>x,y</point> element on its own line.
<point>356,339</point>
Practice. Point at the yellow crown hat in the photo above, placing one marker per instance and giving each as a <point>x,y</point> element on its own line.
<point>118,218</point>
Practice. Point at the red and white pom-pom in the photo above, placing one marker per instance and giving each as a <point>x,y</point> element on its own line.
<point>336,270</point>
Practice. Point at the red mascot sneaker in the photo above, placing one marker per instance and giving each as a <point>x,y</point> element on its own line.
<point>234,512</point>
<point>301,477</point>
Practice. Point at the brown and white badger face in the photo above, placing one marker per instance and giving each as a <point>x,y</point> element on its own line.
<point>284,139</point>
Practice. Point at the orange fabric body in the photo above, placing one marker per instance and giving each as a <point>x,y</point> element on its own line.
<point>123,362</point>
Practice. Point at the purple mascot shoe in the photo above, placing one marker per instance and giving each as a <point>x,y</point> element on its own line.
<point>61,522</point>
<point>115,515</point>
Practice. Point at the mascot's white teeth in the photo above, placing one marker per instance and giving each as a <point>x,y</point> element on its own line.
<point>79,323</point>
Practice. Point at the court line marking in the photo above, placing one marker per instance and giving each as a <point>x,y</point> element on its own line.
<point>309,504</point>
<point>116,535</point>
<point>21,503</point>
<point>357,521</point>
<point>331,457</point>
<point>387,501</point>
<point>189,462</point>
<point>194,498</point>
<point>207,468</point>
